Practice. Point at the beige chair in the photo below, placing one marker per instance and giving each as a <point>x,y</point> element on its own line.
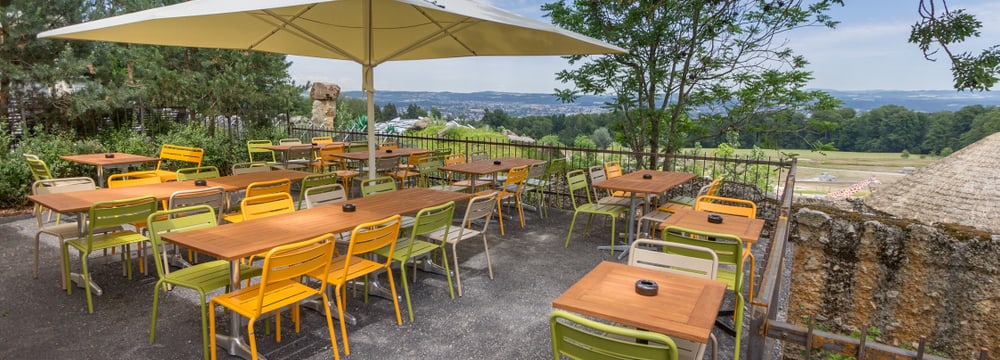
<point>597,176</point>
<point>705,267</point>
<point>250,167</point>
<point>324,195</point>
<point>480,207</point>
<point>66,230</point>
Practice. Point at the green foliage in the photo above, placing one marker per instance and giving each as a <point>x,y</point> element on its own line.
<point>687,55</point>
<point>601,137</point>
<point>946,151</point>
<point>941,31</point>
<point>873,334</point>
<point>550,140</point>
<point>904,154</point>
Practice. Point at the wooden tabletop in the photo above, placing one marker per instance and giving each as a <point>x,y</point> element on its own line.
<point>238,240</point>
<point>379,154</point>
<point>101,160</point>
<point>237,182</point>
<point>634,182</point>
<point>81,201</point>
<point>746,228</point>
<point>484,167</point>
<point>684,307</point>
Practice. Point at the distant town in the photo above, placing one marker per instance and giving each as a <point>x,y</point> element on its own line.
<point>471,105</point>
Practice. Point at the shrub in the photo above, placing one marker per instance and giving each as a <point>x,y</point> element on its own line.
<point>905,154</point>
<point>946,151</point>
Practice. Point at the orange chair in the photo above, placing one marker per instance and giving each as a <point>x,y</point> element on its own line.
<point>736,207</point>
<point>328,162</point>
<point>512,190</point>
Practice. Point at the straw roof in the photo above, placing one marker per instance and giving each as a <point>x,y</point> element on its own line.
<point>963,189</point>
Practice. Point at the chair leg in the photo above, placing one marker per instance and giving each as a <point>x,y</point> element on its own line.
<point>520,211</point>
<point>252,337</point>
<point>752,273</point>
<point>406,288</point>
<point>211,331</point>
<point>204,325</point>
<point>458,276</point>
<point>340,292</point>
<point>738,323</point>
<point>489,263</point>
<point>500,215</point>
<point>447,272</point>
<point>571,224</point>
<point>613,233</point>
<point>329,327</point>
<point>395,300</point>
<point>86,282</point>
<point>156,303</point>
<point>65,268</point>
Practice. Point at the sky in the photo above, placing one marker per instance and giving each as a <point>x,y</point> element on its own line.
<point>868,50</point>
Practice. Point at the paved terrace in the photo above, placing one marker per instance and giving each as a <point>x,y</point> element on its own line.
<point>505,318</point>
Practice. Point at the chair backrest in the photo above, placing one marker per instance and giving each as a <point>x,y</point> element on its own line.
<point>664,257</point>
<point>576,180</point>
<point>727,206</point>
<point>300,152</point>
<point>269,187</point>
<point>201,172</point>
<point>556,167</point>
<point>59,185</point>
<point>133,178</point>
<point>386,164</point>
<point>357,146</point>
<point>443,151</point>
<point>612,169</point>
<point>379,185</point>
<point>388,145</point>
<point>577,337</point>
<point>176,153</point>
<point>428,169</point>
<point>260,206</point>
<point>39,170</point>
<point>374,235</point>
<point>597,176</point>
<point>327,151</point>
<point>415,158</point>
<point>289,141</point>
<point>250,167</point>
<point>712,188</point>
<point>214,197</point>
<point>167,221</point>
<point>479,155</point>
<point>294,261</point>
<point>536,171</point>
<point>314,180</point>
<point>324,195</point>
<point>454,159</point>
<point>254,147</point>
<point>119,212</point>
<point>515,180</point>
<point>429,220</point>
<point>321,139</point>
<point>728,248</point>
<point>480,207</point>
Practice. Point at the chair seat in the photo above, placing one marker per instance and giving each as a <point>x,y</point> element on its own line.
<point>420,247</point>
<point>233,218</point>
<point>166,175</point>
<point>244,301</point>
<point>69,230</point>
<point>468,183</point>
<point>359,267</point>
<point>453,235</point>
<point>448,187</point>
<point>207,276</point>
<point>613,210</point>
<point>107,241</point>
<point>682,200</point>
<point>616,201</point>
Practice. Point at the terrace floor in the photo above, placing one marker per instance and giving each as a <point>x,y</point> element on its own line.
<point>505,318</point>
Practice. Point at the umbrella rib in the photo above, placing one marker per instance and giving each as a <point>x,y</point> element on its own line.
<point>443,31</point>
<point>302,33</point>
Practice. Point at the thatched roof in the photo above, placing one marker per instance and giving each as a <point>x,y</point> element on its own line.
<point>963,189</point>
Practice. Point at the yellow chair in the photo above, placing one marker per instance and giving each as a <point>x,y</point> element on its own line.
<point>329,162</point>
<point>260,206</point>
<point>261,188</point>
<point>613,169</point>
<point>736,207</point>
<point>133,178</point>
<point>103,215</point>
<point>511,189</point>
<point>280,286</point>
<point>408,170</point>
<point>365,238</point>
<point>171,154</point>
<point>388,145</point>
<point>322,139</point>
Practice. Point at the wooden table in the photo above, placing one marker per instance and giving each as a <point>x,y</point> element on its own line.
<point>746,228</point>
<point>360,157</point>
<point>101,161</point>
<point>285,148</point>
<point>685,306</point>
<point>489,166</point>
<point>235,241</point>
<point>635,183</point>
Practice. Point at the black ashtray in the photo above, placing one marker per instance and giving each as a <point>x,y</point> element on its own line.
<point>496,162</point>
<point>109,155</point>
<point>200,182</point>
<point>647,176</point>
<point>715,218</point>
<point>348,207</point>
<point>646,287</point>
<point>388,151</point>
<point>314,144</point>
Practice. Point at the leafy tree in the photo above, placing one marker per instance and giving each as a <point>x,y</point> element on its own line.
<point>389,112</point>
<point>436,113</point>
<point>601,137</point>
<point>720,59</point>
<point>940,28</point>
<point>413,111</point>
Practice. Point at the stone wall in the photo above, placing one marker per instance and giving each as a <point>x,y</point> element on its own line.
<point>851,271</point>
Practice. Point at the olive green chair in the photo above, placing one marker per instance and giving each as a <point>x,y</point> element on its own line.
<point>311,181</point>
<point>203,277</point>
<point>577,180</point>
<point>577,337</point>
<point>429,220</point>
<point>200,172</point>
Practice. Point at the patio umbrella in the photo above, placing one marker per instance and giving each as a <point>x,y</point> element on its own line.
<point>368,32</point>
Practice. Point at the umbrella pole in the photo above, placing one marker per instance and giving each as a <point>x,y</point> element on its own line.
<point>370,95</point>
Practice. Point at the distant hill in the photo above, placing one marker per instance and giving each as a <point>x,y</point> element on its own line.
<point>471,105</point>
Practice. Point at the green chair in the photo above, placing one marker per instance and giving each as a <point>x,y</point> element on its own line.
<point>39,170</point>
<point>554,169</point>
<point>729,250</point>
<point>577,337</point>
<point>203,277</point>
<point>432,177</point>
<point>256,153</point>
<point>379,185</point>
<point>428,220</point>
<point>311,181</point>
<point>195,173</point>
<point>106,214</point>
<point>577,180</point>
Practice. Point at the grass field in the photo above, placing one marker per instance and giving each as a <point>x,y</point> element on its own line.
<point>846,168</point>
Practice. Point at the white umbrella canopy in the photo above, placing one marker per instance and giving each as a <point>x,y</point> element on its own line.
<point>368,32</point>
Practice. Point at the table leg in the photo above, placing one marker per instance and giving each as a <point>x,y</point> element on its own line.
<point>234,343</point>
<point>100,176</point>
